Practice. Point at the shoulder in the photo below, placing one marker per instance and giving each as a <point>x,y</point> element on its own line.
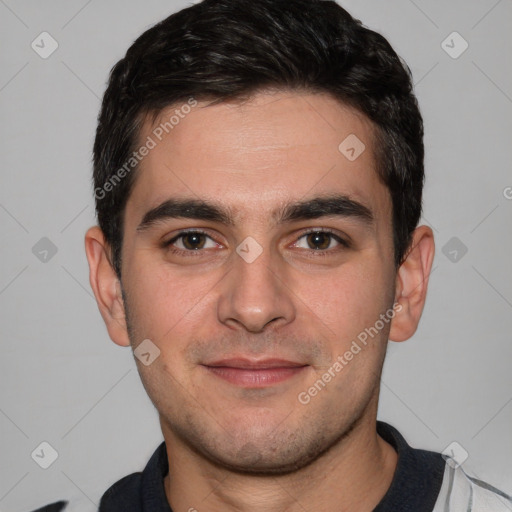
<point>431,481</point>
<point>461,491</point>
<point>74,503</point>
<point>127,494</point>
<point>131,492</point>
<point>57,506</point>
<point>122,496</point>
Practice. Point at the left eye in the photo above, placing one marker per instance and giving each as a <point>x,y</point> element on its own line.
<point>320,240</point>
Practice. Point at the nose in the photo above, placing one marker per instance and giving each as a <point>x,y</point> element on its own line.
<point>254,294</point>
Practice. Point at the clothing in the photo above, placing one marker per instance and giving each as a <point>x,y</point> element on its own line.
<point>424,481</point>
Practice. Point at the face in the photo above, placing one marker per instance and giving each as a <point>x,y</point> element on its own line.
<point>255,254</point>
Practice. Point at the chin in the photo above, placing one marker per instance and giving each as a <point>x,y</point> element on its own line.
<point>286,453</point>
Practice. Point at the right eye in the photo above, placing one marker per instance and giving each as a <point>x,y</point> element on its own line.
<point>190,242</point>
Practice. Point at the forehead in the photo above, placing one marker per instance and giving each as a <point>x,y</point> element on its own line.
<point>253,155</point>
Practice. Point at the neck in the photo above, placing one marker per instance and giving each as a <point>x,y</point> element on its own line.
<point>354,475</point>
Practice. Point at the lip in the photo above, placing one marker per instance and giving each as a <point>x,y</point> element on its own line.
<point>252,364</point>
<point>255,374</point>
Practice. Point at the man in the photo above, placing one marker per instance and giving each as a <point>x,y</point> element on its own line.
<point>258,174</point>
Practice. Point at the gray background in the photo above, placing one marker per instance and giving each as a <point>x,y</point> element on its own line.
<point>65,382</point>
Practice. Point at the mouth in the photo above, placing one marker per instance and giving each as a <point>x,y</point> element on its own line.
<point>254,374</point>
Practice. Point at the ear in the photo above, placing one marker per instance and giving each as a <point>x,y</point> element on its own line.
<point>106,286</point>
<point>411,284</point>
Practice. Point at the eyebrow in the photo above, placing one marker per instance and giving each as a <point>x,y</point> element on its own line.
<point>328,206</point>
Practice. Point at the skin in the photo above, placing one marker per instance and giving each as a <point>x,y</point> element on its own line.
<point>245,449</point>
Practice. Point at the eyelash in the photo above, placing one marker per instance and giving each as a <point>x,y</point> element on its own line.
<point>315,252</point>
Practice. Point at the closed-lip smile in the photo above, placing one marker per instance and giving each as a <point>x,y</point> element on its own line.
<point>252,373</point>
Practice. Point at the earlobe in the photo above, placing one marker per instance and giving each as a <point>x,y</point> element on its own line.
<point>105,285</point>
<point>412,283</point>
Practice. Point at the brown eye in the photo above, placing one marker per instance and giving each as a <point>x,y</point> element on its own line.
<point>193,241</point>
<point>190,241</point>
<point>319,240</point>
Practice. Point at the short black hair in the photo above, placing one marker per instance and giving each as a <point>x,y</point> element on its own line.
<point>230,49</point>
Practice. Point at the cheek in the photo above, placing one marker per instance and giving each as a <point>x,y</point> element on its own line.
<point>164,306</point>
<point>348,300</point>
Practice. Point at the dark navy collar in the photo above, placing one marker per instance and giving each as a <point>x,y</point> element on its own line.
<point>417,479</point>
<point>415,486</point>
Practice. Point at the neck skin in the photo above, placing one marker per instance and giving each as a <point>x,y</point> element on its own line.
<point>353,475</point>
